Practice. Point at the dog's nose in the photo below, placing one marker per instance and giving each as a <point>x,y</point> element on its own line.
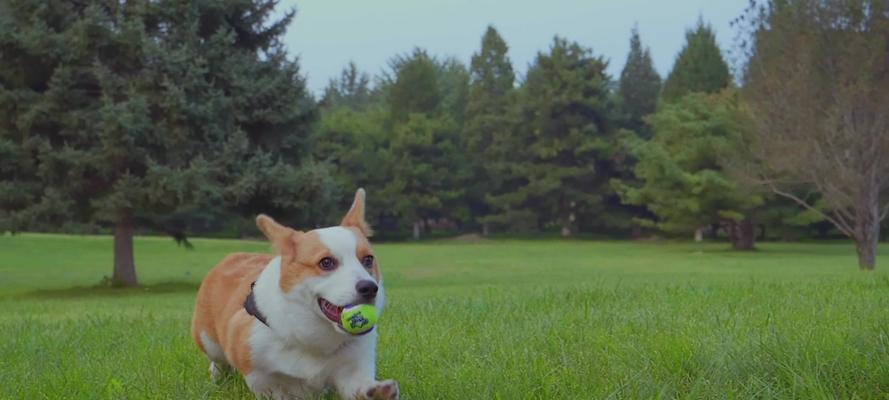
<point>367,289</point>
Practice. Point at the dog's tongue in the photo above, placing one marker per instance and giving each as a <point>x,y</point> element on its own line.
<point>332,312</point>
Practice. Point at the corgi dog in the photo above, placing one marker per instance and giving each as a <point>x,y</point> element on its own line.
<point>276,318</point>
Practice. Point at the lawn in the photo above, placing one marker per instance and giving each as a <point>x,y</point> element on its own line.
<point>488,320</point>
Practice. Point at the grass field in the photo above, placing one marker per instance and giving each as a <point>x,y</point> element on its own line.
<point>489,320</point>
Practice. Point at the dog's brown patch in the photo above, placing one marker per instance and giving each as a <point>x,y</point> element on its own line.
<point>309,252</point>
<point>219,311</point>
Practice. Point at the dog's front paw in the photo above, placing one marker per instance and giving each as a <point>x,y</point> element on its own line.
<point>385,390</point>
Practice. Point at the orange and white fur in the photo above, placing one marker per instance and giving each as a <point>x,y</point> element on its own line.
<point>301,350</point>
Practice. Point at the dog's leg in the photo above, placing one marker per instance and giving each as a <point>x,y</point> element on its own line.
<point>367,389</point>
<point>354,377</point>
<point>216,373</point>
<point>262,385</point>
<point>385,390</point>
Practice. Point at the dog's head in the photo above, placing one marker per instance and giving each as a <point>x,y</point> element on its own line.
<point>329,268</point>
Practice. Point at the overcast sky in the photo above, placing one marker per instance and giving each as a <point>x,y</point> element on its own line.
<point>326,34</point>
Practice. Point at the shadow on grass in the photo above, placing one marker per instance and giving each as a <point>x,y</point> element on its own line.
<point>107,291</point>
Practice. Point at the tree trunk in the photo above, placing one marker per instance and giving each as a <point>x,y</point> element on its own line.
<point>699,235</point>
<point>485,228</point>
<point>867,231</point>
<point>743,235</point>
<point>867,254</point>
<point>416,230</point>
<point>787,235</point>
<point>636,233</point>
<point>124,265</point>
<point>566,226</point>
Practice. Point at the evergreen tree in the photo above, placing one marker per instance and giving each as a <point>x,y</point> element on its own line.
<point>563,144</point>
<point>426,183</point>
<point>128,112</point>
<point>453,84</point>
<point>489,122</point>
<point>414,88</point>
<point>426,101</point>
<point>699,66</point>
<point>351,89</point>
<point>680,170</point>
<point>638,88</point>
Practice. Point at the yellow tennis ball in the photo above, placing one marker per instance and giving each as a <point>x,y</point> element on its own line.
<point>359,318</point>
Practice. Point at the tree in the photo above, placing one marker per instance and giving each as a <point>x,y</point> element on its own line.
<point>638,88</point>
<point>699,67</point>
<point>125,111</point>
<point>817,82</point>
<point>351,137</point>
<point>424,183</point>
<point>490,121</point>
<point>636,96</point>
<point>414,88</point>
<point>426,101</point>
<point>351,90</point>
<point>680,172</point>
<point>563,140</point>
<point>453,86</point>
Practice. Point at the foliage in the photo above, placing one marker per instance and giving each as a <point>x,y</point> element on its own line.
<point>425,170</point>
<point>490,122</point>
<point>681,177</point>
<point>120,111</point>
<point>821,121</point>
<point>561,153</point>
<point>351,90</point>
<point>699,67</point>
<point>413,85</point>
<point>638,88</point>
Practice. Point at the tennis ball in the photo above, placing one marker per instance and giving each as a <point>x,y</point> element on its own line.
<point>359,318</point>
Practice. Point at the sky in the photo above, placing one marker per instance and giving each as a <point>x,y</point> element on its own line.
<point>327,34</point>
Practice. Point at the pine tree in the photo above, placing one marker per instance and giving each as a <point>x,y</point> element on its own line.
<point>637,96</point>
<point>128,112</point>
<point>453,84</point>
<point>350,137</point>
<point>489,122</point>
<point>699,66</point>
<point>638,88</point>
<point>426,100</point>
<point>351,89</point>
<point>680,173</point>
<point>563,141</point>
<point>414,88</point>
<point>426,182</point>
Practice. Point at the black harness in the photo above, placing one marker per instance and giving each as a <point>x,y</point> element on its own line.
<point>250,306</point>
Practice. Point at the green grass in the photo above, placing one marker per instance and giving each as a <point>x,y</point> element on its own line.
<point>491,320</point>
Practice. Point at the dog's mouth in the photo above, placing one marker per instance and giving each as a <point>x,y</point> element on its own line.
<point>332,311</point>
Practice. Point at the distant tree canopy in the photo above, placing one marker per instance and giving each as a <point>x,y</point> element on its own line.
<point>561,154</point>
<point>490,119</point>
<point>699,67</point>
<point>681,176</point>
<point>639,88</point>
<point>126,113</point>
<point>413,87</point>
<point>153,115</point>
<point>351,90</point>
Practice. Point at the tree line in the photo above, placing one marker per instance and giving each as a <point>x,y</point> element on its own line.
<point>189,117</point>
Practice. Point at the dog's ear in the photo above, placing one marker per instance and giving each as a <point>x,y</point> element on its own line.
<point>355,217</point>
<point>282,237</point>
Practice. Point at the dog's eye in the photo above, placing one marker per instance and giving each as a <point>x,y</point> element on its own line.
<point>327,263</point>
<point>368,261</point>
